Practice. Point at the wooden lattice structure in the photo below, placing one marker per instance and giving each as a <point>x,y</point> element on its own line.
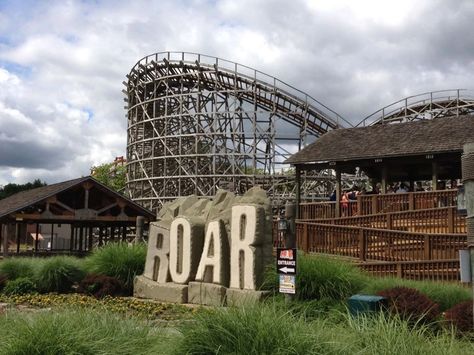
<point>198,123</point>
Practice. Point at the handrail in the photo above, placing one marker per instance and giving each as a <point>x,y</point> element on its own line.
<point>378,244</point>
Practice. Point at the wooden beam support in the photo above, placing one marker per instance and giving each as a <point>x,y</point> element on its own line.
<point>298,190</point>
<point>37,217</point>
<point>434,181</point>
<point>338,193</point>
<point>384,178</point>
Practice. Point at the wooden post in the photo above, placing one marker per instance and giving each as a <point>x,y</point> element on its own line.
<point>338,193</point>
<point>81,237</point>
<point>89,244</point>
<point>305,237</point>
<point>388,221</point>
<point>451,214</point>
<point>427,248</point>
<point>139,230</point>
<point>36,240</point>
<point>101,236</point>
<point>375,206</point>
<point>71,241</point>
<point>400,270</point>
<point>411,201</point>
<point>384,178</point>
<point>52,236</point>
<point>298,190</point>
<point>362,245</point>
<point>4,240</point>
<point>434,181</point>
<point>359,205</point>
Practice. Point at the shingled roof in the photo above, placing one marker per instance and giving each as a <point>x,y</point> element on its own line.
<point>440,135</point>
<point>24,199</point>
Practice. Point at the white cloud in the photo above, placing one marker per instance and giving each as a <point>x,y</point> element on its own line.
<point>62,63</point>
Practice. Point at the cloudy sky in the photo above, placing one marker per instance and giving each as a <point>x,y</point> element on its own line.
<point>62,63</point>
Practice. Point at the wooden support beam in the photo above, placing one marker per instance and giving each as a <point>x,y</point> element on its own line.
<point>298,190</point>
<point>52,236</point>
<point>89,244</point>
<point>434,181</point>
<point>101,236</point>
<point>36,239</point>
<point>384,178</point>
<point>338,193</point>
<point>71,240</point>
<point>38,217</point>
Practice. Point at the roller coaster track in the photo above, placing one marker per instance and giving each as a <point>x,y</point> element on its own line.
<point>424,106</point>
<point>197,123</point>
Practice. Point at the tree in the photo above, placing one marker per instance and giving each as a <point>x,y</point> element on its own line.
<point>11,189</point>
<point>111,175</point>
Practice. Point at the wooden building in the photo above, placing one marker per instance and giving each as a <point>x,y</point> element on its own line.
<point>90,212</point>
<point>410,151</point>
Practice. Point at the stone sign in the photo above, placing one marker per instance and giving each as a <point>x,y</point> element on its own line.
<point>209,252</point>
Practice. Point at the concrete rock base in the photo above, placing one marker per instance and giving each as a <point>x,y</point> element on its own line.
<point>238,297</point>
<point>164,292</point>
<point>206,294</point>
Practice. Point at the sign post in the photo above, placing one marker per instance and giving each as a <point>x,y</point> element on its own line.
<point>286,268</point>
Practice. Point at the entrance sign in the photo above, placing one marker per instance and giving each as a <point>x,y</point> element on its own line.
<point>286,268</point>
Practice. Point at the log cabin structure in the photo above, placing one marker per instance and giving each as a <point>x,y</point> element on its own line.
<point>90,213</point>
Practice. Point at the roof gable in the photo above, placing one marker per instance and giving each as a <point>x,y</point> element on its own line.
<point>23,199</point>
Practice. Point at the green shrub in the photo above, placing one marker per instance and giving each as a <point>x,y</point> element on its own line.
<point>100,286</point>
<point>460,316</point>
<point>59,274</point>
<point>76,332</point>
<point>118,260</point>
<point>260,329</point>
<point>410,304</point>
<point>445,294</point>
<point>20,286</point>
<point>14,268</point>
<point>320,277</point>
<point>381,334</point>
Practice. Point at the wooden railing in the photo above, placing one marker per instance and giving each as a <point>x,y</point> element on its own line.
<point>374,204</point>
<point>317,210</point>
<point>435,270</point>
<point>377,244</point>
<point>435,220</point>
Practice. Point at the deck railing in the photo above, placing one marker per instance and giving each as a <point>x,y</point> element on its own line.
<point>373,204</point>
<point>435,220</point>
<point>377,244</point>
<point>434,270</point>
<point>317,210</point>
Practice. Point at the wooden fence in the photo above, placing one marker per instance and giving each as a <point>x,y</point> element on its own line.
<point>434,220</point>
<point>377,244</point>
<point>434,270</point>
<point>374,204</point>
